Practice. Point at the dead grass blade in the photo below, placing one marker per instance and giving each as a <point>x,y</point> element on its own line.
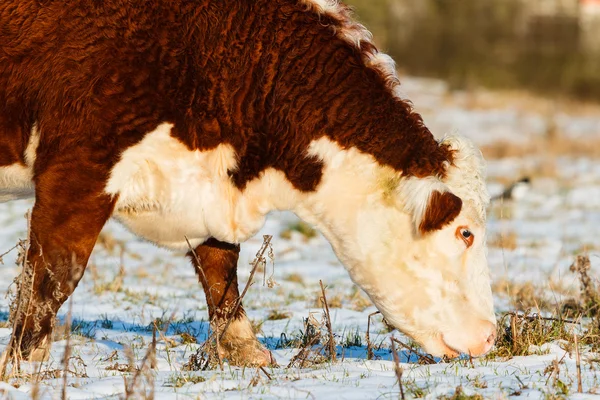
<point>397,369</point>
<point>18,311</point>
<point>370,354</point>
<point>423,358</point>
<point>258,260</point>
<point>589,292</point>
<point>148,363</point>
<point>578,364</point>
<point>67,354</point>
<point>331,339</point>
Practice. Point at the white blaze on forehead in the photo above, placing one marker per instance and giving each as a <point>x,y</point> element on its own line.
<point>16,180</point>
<point>466,176</point>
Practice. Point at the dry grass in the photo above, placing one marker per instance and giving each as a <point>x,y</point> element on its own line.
<point>527,296</point>
<point>306,230</point>
<point>295,278</point>
<point>459,394</point>
<point>518,332</point>
<point>335,301</point>
<point>358,300</point>
<point>482,99</point>
<point>590,296</point>
<point>550,148</point>
<point>507,241</point>
<point>276,315</point>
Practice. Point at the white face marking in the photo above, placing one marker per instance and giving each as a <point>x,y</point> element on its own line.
<point>16,180</point>
<point>430,286</point>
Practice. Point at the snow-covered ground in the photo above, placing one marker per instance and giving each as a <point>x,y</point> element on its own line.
<point>130,283</point>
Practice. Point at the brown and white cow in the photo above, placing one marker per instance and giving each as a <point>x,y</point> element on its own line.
<point>197,118</point>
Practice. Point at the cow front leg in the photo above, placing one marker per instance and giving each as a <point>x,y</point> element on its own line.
<point>216,266</point>
<point>69,212</point>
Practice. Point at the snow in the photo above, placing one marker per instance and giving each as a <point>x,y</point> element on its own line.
<point>557,219</point>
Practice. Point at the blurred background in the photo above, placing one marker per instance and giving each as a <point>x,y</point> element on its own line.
<point>548,46</point>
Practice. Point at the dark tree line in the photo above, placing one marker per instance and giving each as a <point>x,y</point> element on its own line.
<point>493,43</point>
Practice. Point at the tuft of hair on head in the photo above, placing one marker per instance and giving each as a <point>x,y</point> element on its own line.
<point>430,203</point>
<point>466,175</point>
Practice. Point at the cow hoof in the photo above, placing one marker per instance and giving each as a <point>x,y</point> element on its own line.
<point>248,355</point>
<point>267,359</point>
<point>39,354</point>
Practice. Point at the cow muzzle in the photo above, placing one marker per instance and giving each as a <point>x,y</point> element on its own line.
<point>476,340</point>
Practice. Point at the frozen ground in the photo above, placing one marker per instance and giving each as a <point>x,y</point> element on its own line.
<point>130,283</point>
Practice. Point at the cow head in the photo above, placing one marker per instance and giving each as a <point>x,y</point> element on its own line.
<point>415,246</point>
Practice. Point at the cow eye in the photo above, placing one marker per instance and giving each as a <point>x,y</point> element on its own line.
<point>465,235</point>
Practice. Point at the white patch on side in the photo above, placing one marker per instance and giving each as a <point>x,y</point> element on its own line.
<point>167,193</point>
<point>355,33</point>
<point>16,180</point>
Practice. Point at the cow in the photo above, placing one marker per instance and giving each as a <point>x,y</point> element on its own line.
<point>191,120</point>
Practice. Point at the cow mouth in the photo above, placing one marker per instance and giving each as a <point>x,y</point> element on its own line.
<point>448,350</point>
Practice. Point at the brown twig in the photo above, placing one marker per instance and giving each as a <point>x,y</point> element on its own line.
<point>399,371</point>
<point>330,340</point>
<point>67,354</point>
<point>8,251</point>
<point>153,360</point>
<point>513,330</point>
<point>304,351</point>
<point>149,358</point>
<point>370,354</point>
<point>13,349</point>
<point>422,357</point>
<point>265,372</point>
<point>578,364</point>
<point>257,260</point>
<point>471,360</point>
<point>534,317</point>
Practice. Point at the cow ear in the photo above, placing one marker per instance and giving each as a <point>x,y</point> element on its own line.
<point>442,208</point>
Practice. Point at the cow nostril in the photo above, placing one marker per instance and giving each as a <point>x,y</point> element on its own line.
<point>488,332</point>
<point>492,338</point>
